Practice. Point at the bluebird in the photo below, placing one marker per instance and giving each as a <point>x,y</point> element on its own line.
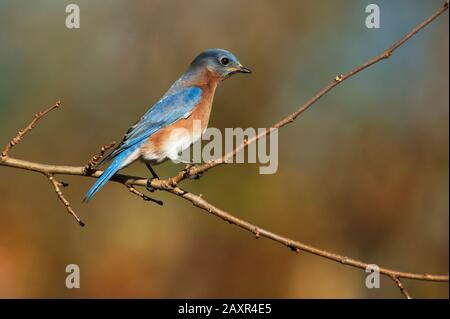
<point>189,99</point>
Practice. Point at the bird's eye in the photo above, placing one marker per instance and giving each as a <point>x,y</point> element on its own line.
<point>224,61</point>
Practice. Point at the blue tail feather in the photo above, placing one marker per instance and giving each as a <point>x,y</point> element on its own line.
<point>107,174</point>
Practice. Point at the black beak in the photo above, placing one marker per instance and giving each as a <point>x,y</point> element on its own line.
<point>243,69</point>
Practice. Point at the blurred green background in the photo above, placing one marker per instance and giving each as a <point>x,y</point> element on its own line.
<point>363,173</point>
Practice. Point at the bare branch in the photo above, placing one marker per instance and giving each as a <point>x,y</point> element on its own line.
<point>56,185</point>
<point>21,133</point>
<point>292,244</point>
<point>200,202</point>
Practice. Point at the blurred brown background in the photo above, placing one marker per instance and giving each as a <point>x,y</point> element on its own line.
<point>363,173</point>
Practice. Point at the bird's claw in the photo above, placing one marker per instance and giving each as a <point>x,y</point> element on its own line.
<point>187,172</point>
<point>149,186</point>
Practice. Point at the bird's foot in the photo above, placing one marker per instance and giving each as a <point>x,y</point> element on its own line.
<point>188,173</point>
<point>149,186</point>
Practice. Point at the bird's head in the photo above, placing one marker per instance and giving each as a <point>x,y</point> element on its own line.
<point>220,62</point>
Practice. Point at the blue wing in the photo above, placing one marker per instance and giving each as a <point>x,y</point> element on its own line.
<point>166,111</point>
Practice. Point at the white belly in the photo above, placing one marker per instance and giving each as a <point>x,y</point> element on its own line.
<point>172,147</point>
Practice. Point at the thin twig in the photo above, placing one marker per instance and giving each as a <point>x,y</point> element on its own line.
<point>143,196</point>
<point>90,166</point>
<point>21,133</point>
<point>401,287</point>
<point>56,185</point>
